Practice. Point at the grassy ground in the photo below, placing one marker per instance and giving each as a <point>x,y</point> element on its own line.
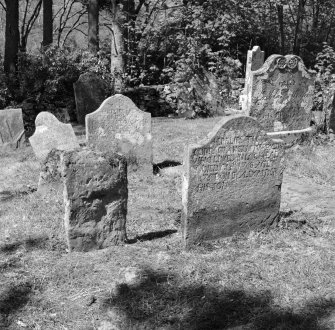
<point>279,279</point>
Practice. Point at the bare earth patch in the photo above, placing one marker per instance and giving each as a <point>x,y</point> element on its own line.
<point>282,278</point>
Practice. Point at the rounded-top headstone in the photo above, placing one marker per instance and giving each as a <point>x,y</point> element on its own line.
<point>120,126</point>
<point>232,181</point>
<point>51,134</point>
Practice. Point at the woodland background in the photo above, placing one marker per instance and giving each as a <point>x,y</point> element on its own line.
<point>47,44</point>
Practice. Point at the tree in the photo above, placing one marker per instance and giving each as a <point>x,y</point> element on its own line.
<point>12,36</point>
<point>47,23</point>
<point>93,26</point>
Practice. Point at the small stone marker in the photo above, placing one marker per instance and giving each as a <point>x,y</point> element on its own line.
<point>232,181</point>
<point>255,60</point>
<point>95,198</point>
<point>51,134</point>
<point>11,128</point>
<point>119,126</point>
<point>282,94</point>
<point>90,91</point>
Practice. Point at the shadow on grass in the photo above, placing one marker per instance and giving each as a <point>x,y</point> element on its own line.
<point>151,236</point>
<point>11,300</point>
<point>164,164</point>
<point>161,302</point>
<point>29,244</point>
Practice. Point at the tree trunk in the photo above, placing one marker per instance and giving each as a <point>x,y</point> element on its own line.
<point>93,26</point>
<point>297,36</point>
<point>280,13</point>
<point>117,51</point>
<point>47,23</point>
<point>12,36</point>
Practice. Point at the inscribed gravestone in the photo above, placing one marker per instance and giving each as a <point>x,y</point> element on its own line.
<point>255,60</point>
<point>51,134</point>
<point>90,91</point>
<point>119,126</point>
<point>232,181</point>
<point>11,128</point>
<point>282,94</point>
<point>95,199</point>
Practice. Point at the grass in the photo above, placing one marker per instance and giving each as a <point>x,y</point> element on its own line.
<point>282,278</point>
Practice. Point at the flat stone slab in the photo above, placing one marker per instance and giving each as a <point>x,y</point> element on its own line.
<point>51,134</point>
<point>119,126</point>
<point>282,94</point>
<point>95,199</point>
<point>232,181</point>
<point>11,128</point>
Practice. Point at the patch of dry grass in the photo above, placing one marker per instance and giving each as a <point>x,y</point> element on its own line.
<point>279,279</point>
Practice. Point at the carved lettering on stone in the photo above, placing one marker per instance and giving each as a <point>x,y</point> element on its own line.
<point>232,181</point>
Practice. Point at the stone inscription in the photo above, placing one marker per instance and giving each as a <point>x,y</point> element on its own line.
<point>232,181</point>
<point>282,94</point>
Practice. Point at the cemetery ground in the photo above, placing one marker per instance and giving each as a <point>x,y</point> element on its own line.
<point>281,278</point>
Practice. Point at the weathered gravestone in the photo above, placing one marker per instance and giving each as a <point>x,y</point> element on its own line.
<point>232,181</point>
<point>11,128</point>
<point>95,198</point>
<point>50,173</point>
<point>282,94</point>
<point>255,60</point>
<point>51,134</point>
<point>119,126</point>
<point>90,91</point>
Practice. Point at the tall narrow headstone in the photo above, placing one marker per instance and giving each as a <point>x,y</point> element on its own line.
<point>119,126</point>
<point>255,60</point>
<point>95,198</point>
<point>51,134</point>
<point>232,181</point>
<point>90,91</point>
<point>11,128</point>
<point>282,94</point>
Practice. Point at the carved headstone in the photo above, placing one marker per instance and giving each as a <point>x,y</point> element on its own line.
<point>282,94</point>
<point>255,60</point>
<point>232,181</point>
<point>51,134</point>
<point>90,91</point>
<point>119,126</point>
<point>11,128</point>
<point>95,198</point>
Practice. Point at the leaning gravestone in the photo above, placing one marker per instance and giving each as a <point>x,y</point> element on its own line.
<point>232,181</point>
<point>282,94</point>
<point>119,126</point>
<point>90,91</point>
<point>255,60</point>
<point>95,198</point>
<point>51,134</point>
<point>11,128</point>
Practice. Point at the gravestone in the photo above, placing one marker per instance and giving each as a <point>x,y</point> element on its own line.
<point>95,198</point>
<point>119,126</point>
<point>282,94</point>
<point>50,173</point>
<point>11,128</point>
<point>51,134</point>
<point>232,181</point>
<point>90,91</point>
<point>255,60</point>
